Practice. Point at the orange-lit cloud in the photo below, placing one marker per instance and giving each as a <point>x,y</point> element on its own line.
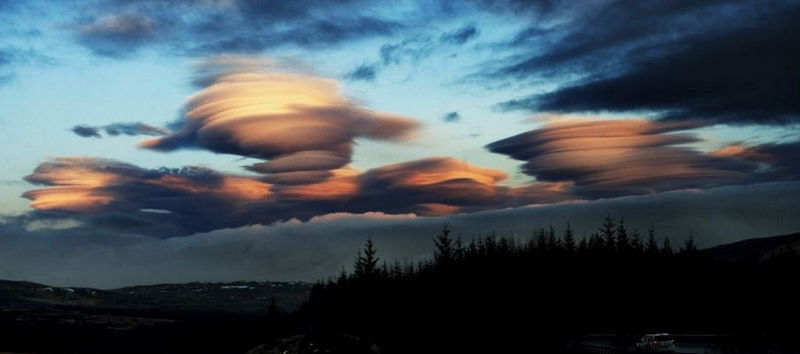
<point>341,186</point>
<point>434,184</point>
<point>618,157</point>
<point>295,122</point>
<point>172,202</point>
<point>101,187</point>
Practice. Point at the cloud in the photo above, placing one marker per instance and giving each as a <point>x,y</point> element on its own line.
<point>772,161</point>
<point>131,129</point>
<point>296,122</point>
<point>451,117</point>
<point>7,58</point>
<point>414,48</point>
<point>86,132</point>
<point>117,36</point>
<point>719,62</point>
<point>315,250</point>
<point>113,194</point>
<point>119,28</point>
<point>169,202</point>
<point>365,72</point>
<point>459,36</point>
<point>620,157</point>
<point>435,180</point>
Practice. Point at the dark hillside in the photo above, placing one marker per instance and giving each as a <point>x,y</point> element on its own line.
<point>166,318</point>
<point>497,294</point>
<point>754,249</point>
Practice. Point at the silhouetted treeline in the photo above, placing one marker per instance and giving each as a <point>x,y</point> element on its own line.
<point>506,295</point>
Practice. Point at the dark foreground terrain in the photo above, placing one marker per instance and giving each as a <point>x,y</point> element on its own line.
<point>169,318</point>
<point>549,294</point>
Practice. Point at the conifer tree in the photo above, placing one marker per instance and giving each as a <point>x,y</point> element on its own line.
<point>636,242</point>
<point>583,246</point>
<point>689,245</point>
<point>444,252</point>
<point>596,242</point>
<point>623,243</point>
<point>666,247</point>
<point>607,233</point>
<point>541,241</point>
<point>652,241</point>
<point>569,239</point>
<point>552,239</point>
<point>366,264</point>
<point>397,270</point>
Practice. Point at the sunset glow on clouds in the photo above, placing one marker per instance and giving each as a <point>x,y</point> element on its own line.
<point>189,122</point>
<point>297,122</point>
<point>304,132</point>
<point>620,157</point>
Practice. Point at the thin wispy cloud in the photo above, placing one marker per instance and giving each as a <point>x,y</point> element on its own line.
<point>130,129</point>
<point>451,117</point>
<point>117,35</point>
<point>118,29</point>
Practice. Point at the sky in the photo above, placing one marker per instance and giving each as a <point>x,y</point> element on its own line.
<point>161,141</point>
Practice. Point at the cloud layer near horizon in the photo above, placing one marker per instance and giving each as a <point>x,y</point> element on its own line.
<point>167,202</point>
<point>106,258</point>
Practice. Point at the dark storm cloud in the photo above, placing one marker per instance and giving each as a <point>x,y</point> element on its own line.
<point>620,157</point>
<point>120,28</point>
<point>131,129</point>
<point>451,117</point>
<point>722,62</point>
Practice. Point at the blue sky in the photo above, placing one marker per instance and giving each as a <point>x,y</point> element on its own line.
<point>195,121</point>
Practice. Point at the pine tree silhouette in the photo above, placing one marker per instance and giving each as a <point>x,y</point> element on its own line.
<point>607,233</point>
<point>623,243</point>
<point>636,242</point>
<point>569,239</point>
<point>366,264</point>
<point>444,252</point>
<point>652,241</point>
<point>689,245</point>
<point>666,247</point>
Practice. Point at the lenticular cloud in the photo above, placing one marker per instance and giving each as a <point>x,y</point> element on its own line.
<point>294,122</point>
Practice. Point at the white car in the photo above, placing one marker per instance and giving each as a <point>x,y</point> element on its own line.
<point>658,342</point>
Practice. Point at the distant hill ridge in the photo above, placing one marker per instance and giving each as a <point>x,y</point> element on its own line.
<point>238,296</point>
<point>754,249</point>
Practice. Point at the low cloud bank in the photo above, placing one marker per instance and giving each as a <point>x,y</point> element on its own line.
<point>314,250</point>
